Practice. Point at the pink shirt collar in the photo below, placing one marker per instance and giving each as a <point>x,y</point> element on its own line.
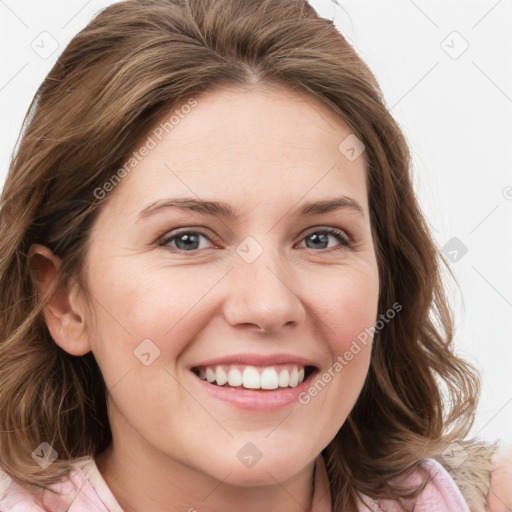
<point>86,491</point>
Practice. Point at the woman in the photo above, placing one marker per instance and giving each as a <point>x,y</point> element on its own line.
<point>140,371</point>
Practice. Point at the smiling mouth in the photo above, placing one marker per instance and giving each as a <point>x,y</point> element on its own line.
<point>268,378</point>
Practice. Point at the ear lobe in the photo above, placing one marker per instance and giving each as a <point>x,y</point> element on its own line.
<point>64,322</point>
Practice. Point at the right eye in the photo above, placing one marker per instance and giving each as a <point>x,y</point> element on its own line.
<point>185,240</point>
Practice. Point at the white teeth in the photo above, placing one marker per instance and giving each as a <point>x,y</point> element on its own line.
<point>251,378</point>
<point>284,378</point>
<point>294,378</point>
<point>220,376</point>
<point>269,379</point>
<point>210,375</point>
<point>234,377</point>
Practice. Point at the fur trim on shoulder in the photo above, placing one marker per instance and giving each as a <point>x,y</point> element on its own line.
<point>470,464</point>
<point>500,495</point>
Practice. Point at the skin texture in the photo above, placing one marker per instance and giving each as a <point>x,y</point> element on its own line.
<point>265,151</point>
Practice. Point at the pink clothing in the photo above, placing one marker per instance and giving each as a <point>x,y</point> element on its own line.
<point>85,490</point>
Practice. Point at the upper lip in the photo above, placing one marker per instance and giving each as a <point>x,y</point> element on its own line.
<point>256,360</point>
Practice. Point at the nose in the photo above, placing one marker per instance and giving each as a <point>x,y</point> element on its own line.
<point>262,294</point>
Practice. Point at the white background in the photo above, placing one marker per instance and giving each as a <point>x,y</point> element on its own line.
<point>454,105</point>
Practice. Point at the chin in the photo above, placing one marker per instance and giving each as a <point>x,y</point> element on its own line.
<point>265,471</point>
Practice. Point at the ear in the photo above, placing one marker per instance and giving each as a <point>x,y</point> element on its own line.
<point>63,315</point>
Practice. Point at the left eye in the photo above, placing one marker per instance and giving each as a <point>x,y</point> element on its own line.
<point>189,241</point>
<point>330,232</point>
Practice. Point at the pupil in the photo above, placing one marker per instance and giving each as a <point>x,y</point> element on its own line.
<point>316,237</point>
<point>187,239</point>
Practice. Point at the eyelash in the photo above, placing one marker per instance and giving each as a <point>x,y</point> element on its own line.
<point>346,243</point>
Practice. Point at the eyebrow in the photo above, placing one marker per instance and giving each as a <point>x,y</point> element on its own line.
<point>224,210</point>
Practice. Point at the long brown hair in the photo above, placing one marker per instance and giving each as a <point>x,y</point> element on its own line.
<point>135,61</point>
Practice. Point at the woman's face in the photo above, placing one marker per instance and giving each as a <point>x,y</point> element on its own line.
<point>267,282</point>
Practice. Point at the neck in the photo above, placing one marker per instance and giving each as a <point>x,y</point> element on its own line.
<point>140,483</point>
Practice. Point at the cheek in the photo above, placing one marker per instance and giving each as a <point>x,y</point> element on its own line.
<point>346,314</point>
<point>135,303</point>
<point>346,311</point>
<point>347,307</point>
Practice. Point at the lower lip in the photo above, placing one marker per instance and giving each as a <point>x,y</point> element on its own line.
<point>256,399</point>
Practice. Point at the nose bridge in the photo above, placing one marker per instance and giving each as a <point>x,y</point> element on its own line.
<point>262,292</point>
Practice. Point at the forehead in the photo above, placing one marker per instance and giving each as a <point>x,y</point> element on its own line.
<point>250,147</point>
